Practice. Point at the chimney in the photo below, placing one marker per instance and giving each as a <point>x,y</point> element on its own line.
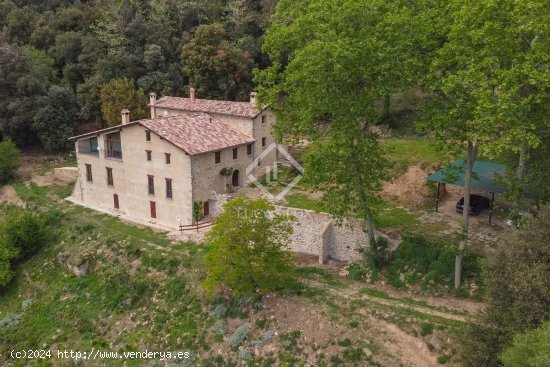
<point>253,100</point>
<point>125,117</point>
<point>192,93</point>
<point>152,103</point>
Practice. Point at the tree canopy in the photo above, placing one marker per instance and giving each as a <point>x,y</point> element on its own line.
<point>81,46</point>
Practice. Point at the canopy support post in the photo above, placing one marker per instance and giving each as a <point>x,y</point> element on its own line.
<point>437,201</point>
<point>491,207</point>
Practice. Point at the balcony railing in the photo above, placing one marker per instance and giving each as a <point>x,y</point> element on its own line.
<point>113,154</point>
<point>88,150</point>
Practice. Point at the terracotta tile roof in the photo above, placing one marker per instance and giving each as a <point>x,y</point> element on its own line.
<point>241,109</point>
<point>196,133</point>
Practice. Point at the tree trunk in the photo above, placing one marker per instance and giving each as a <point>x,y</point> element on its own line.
<point>370,232</point>
<point>472,153</point>
<point>520,174</point>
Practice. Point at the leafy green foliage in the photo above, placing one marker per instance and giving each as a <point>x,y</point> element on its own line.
<point>425,262</point>
<point>22,233</point>
<point>516,279</point>
<point>54,122</point>
<point>215,67</point>
<point>530,349</point>
<point>9,160</point>
<point>120,94</point>
<point>249,253</point>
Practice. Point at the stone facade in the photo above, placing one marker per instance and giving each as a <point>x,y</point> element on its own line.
<point>130,179</point>
<point>193,176</point>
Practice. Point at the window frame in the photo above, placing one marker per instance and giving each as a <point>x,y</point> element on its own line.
<point>167,158</point>
<point>89,173</point>
<point>264,142</point>
<point>151,184</point>
<point>147,135</point>
<point>250,149</point>
<point>218,157</point>
<point>235,153</point>
<point>109,151</point>
<point>169,188</point>
<point>110,178</point>
<point>264,119</point>
<point>149,155</point>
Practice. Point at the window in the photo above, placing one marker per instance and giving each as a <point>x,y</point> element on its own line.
<point>263,119</point>
<point>147,135</point>
<point>235,153</point>
<point>167,158</point>
<point>263,142</point>
<point>206,209</point>
<point>114,148</point>
<point>149,155</point>
<point>153,207</point>
<point>249,149</point>
<point>217,157</point>
<point>115,201</point>
<point>93,145</point>
<point>169,188</point>
<point>151,184</point>
<point>109,176</point>
<point>89,173</point>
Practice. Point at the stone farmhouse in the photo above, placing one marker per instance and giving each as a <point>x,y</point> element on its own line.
<point>159,169</point>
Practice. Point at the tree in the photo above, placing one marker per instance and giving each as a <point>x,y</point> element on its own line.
<point>9,160</point>
<point>487,83</point>
<point>530,349</point>
<point>249,253</point>
<point>349,168</point>
<point>329,81</point>
<point>54,122</point>
<point>517,283</point>
<point>214,66</point>
<point>121,94</point>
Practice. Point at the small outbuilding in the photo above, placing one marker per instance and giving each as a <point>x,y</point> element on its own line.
<point>486,177</point>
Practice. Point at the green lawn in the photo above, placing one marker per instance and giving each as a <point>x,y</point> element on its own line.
<point>403,152</point>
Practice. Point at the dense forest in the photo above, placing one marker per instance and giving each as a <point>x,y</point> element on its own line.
<point>61,60</point>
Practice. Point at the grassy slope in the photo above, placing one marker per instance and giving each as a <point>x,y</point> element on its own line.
<point>140,292</point>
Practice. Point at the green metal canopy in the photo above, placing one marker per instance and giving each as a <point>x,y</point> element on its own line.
<point>485,175</point>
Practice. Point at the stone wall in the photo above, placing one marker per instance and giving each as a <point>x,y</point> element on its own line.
<point>66,174</point>
<point>317,233</point>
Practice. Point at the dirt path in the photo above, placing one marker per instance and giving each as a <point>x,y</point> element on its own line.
<point>412,351</point>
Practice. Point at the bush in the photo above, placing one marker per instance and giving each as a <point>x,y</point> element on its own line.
<point>428,262</point>
<point>22,233</point>
<point>249,250</point>
<point>517,289</point>
<point>531,349</point>
<point>241,333</point>
<point>9,161</point>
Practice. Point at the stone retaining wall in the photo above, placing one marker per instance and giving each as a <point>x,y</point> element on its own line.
<point>317,233</point>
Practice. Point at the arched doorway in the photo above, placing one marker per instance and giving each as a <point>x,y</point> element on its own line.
<point>235,178</point>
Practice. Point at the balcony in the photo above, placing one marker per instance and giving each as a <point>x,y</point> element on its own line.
<point>88,151</point>
<point>113,146</point>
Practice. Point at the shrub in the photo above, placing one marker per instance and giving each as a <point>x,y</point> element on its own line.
<point>517,289</point>
<point>427,262</point>
<point>249,249</point>
<point>9,161</point>
<point>426,329</point>
<point>239,336</point>
<point>22,233</point>
<point>530,349</point>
